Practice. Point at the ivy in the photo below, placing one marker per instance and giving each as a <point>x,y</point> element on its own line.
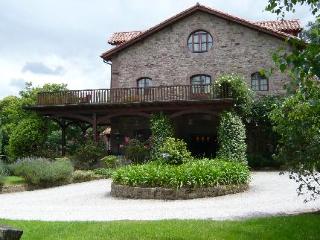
<point>161,129</point>
<point>232,138</point>
<point>242,95</point>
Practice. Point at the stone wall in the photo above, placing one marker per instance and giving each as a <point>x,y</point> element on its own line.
<point>166,59</point>
<point>123,191</point>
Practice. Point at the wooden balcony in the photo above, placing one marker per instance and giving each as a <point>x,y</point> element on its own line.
<point>134,95</point>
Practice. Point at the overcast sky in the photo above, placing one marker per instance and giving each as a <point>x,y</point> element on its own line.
<point>59,41</point>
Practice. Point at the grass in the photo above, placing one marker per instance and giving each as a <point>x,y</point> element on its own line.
<point>290,227</point>
<point>13,180</point>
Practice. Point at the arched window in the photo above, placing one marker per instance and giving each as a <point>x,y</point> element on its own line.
<point>144,82</point>
<point>259,82</point>
<point>200,41</point>
<point>200,83</point>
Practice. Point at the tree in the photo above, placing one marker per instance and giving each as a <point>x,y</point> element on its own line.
<point>297,120</point>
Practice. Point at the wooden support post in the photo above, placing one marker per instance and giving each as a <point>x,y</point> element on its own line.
<point>94,128</point>
<point>63,137</point>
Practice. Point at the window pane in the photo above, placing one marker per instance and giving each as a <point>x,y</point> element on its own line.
<point>144,82</point>
<point>204,38</point>
<point>200,41</point>
<point>196,38</point>
<point>204,47</point>
<point>196,47</point>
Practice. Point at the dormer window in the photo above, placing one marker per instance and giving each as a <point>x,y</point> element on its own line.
<point>259,82</point>
<point>200,41</point>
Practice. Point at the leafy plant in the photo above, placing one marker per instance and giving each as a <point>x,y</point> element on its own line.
<point>136,151</point>
<point>110,161</point>
<point>104,172</point>
<point>174,151</point>
<point>232,138</point>
<point>42,172</point>
<point>198,173</point>
<point>161,129</point>
<point>242,95</point>
<point>88,154</point>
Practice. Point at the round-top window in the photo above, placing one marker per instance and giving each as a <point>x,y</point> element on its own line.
<point>200,41</point>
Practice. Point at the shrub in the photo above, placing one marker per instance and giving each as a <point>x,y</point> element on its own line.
<point>84,176</point>
<point>4,171</point>
<point>42,172</point>
<point>110,161</point>
<point>88,154</point>
<point>174,151</point>
<point>197,173</point>
<point>241,93</point>
<point>104,172</point>
<point>231,138</point>
<point>136,151</point>
<point>27,137</point>
<point>161,129</point>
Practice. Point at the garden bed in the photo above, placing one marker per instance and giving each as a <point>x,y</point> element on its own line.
<point>123,191</point>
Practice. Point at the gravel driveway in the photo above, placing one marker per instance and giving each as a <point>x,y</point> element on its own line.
<point>269,194</point>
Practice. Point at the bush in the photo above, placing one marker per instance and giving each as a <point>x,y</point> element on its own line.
<point>110,161</point>
<point>88,154</point>
<point>161,129</point>
<point>104,172</point>
<point>174,151</point>
<point>84,176</point>
<point>136,151</point>
<point>242,95</point>
<point>4,171</point>
<point>42,172</point>
<point>197,173</point>
<point>27,138</point>
<point>232,138</point>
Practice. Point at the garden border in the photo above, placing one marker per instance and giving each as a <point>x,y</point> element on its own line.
<point>124,191</point>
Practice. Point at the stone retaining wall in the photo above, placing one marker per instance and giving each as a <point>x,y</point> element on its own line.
<point>14,188</point>
<point>123,191</point>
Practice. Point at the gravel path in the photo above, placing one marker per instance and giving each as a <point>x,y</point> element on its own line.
<point>269,194</point>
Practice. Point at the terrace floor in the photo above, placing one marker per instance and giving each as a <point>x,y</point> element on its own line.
<point>269,194</point>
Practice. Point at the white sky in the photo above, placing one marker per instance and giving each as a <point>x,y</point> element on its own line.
<point>60,41</point>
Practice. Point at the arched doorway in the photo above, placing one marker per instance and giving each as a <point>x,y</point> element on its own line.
<point>199,131</point>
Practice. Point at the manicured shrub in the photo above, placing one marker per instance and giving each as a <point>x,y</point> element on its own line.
<point>110,161</point>
<point>161,129</point>
<point>232,138</point>
<point>84,176</point>
<point>136,151</point>
<point>197,173</point>
<point>43,172</point>
<point>104,172</point>
<point>174,151</point>
<point>87,155</point>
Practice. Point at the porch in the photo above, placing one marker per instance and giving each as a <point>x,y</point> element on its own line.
<point>108,108</point>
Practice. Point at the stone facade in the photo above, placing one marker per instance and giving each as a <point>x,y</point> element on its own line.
<point>123,191</point>
<point>166,58</point>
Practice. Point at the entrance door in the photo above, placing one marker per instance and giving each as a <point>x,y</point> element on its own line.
<point>202,145</point>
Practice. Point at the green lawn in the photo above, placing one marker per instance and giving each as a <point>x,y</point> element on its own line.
<point>13,180</point>
<point>294,227</point>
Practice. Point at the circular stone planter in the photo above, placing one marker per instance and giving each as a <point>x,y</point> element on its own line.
<point>123,191</point>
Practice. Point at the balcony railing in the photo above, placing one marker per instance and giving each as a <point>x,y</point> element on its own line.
<point>135,95</point>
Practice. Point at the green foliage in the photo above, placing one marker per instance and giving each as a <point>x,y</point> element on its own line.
<point>136,151</point>
<point>161,128</point>
<point>88,154</point>
<point>110,161</point>
<point>241,93</point>
<point>262,161</point>
<point>104,172</point>
<point>198,173</point>
<point>174,151</point>
<point>41,172</point>
<point>283,6</point>
<point>84,176</point>
<point>4,171</point>
<point>232,138</point>
<point>27,138</point>
<point>297,121</point>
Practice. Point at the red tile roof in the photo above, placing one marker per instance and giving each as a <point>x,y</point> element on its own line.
<point>126,39</point>
<point>287,26</point>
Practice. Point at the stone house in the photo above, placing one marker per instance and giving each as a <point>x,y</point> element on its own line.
<point>170,68</point>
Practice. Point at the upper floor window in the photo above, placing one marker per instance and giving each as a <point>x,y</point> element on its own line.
<point>144,82</point>
<point>200,41</point>
<point>259,82</point>
<point>200,83</point>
